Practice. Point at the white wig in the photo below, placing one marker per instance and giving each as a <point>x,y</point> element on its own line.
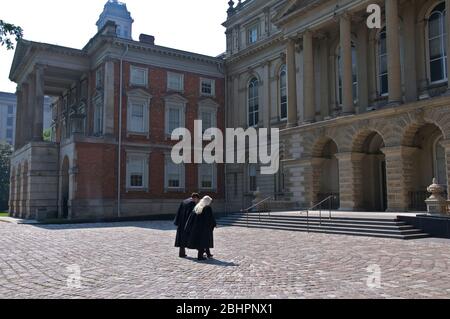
<point>206,201</point>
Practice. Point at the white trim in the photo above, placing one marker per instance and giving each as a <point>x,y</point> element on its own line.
<point>145,158</point>
<point>182,175</point>
<point>180,77</point>
<point>427,44</point>
<point>134,68</point>
<point>213,87</point>
<point>174,102</point>
<point>143,98</point>
<point>214,177</point>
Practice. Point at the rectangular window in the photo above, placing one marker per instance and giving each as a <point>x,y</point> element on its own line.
<point>206,176</point>
<point>137,117</point>
<point>98,118</point>
<point>207,87</point>
<point>139,76</point>
<point>174,175</point>
<point>10,109</point>
<point>175,81</point>
<point>253,34</point>
<point>9,134</point>
<point>252,178</point>
<point>174,119</point>
<point>136,171</point>
<point>9,121</point>
<point>207,120</point>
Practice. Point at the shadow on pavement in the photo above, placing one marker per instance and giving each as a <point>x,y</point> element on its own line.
<point>215,262</point>
<point>154,225</point>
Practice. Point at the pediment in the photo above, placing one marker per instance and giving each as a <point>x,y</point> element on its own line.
<point>294,6</point>
<point>139,93</point>
<point>176,98</point>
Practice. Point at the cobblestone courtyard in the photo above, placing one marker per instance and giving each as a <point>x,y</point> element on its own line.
<point>137,260</point>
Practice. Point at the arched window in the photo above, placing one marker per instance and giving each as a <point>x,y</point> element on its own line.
<point>339,75</point>
<point>253,102</point>
<point>383,82</point>
<point>283,93</point>
<point>437,44</point>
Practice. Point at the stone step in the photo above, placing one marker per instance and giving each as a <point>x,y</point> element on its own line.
<point>366,221</point>
<point>366,229</point>
<point>326,230</point>
<point>325,223</point>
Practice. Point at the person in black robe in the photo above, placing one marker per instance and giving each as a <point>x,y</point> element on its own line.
<point>181,219</point>
<point>200,228</point>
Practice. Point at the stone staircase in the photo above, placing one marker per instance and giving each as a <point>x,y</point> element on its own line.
<point>353,226</point>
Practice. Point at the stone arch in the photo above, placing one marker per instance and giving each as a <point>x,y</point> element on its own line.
<point>12,191</point>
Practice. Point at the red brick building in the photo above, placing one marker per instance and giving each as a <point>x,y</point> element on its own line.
<point>114,96</point>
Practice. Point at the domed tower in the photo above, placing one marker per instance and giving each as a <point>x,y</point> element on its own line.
<point>117,12</point>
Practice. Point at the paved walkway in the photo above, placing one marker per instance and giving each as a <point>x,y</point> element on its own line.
<point>136,260</point>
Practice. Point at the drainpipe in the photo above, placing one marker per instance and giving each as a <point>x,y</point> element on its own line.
<point>119,151</point>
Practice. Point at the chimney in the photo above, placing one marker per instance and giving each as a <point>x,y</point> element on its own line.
<point>147,39</point>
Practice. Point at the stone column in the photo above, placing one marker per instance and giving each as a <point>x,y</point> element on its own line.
<point>265,109</point>
<point>324,74</point>
<point>399,176</point>
<point>309,102</point>
<point>38,121</point>
<point>29,121</point>
<point>421,61</point>
<point>350,180</point>
<point>12,190</point>
<point>346,62</point>
<point>18,143</point>
<point>108,111</point>
<point>291,83</point>
<point>363,79</point>
<point>393,51</point>
<point>410,52</point>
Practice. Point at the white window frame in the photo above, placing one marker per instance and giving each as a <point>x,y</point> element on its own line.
<point>208,106</point>
<point>250,28</point>
<point>145,159</point>
<point>381,55</point>
<point>253,99</point>
<point>180,78</point>
<point>445,57</point>
<point>134,69</point>
<point>283,69</point>
<point>213,167</point>
<point>181,171</point>
<point>213,87</point>
<point>175,102</point>
<point>143,98</point>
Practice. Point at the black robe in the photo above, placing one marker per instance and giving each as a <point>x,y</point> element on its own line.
<point>200,229</point>
<point>180,221</point>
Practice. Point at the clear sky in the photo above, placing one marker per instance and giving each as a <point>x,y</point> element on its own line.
<point>192,25</point>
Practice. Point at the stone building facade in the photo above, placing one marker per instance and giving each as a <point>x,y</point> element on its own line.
<point>364,113</point>
<point>117,102</point>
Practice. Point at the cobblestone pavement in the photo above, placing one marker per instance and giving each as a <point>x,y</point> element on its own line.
<point>137,260</point>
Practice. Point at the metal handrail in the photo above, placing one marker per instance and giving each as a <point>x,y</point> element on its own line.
<point>329,198</point>
<point>254,206</point>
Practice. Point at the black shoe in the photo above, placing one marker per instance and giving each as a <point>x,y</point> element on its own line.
<point>210,256</point>
<point>183,256</point>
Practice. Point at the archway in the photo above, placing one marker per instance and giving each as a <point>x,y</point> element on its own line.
<point>429,163</point>
<point>26,213</point>
<point>374,182</point>
<point>65,189</point>
<point>326,177</point>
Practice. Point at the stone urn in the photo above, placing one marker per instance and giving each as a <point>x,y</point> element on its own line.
<point>436,203</point>
<point>257,198</point>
